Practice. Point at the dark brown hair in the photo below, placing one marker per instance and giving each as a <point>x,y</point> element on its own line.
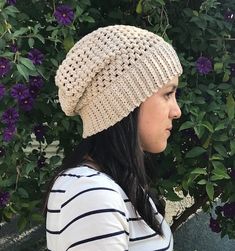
<point>118,152</point>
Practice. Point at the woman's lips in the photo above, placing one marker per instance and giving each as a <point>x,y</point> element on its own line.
<point>169,130</point>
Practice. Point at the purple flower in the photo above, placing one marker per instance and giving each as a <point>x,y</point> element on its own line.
<point>4,66</point>
<point>41,162</point>
<point>18,91</point>
<point>10,116</point>
<point>33,90</point>
<point>36,56</point>
<point>23,94</point>
<point>39,131</point>
<point>229,210</point>
<point>14,48</point>
<point>11,2</point>
<point>36,80</point>
<point>35,84</point>
<point>232,69</point>
<point>229,15</point>
<point>4,198</point>
<point>9,133</point>
<point>2,151</point>
<point>203,65</point>
<point>2,91</point>
<point>26,103</point>
<point>214,225</point>
<point>64,14</point>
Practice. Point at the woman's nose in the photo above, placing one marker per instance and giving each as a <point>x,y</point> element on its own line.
<point>176,111</point>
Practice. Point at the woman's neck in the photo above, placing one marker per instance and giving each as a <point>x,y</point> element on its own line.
<point>90,162</point>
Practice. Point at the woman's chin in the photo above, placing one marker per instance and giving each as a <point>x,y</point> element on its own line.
<point>156,149</point>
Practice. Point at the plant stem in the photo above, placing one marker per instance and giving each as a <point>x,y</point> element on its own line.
<point>199,202</point>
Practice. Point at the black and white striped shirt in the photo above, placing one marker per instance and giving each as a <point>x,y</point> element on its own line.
<point>88,211</point>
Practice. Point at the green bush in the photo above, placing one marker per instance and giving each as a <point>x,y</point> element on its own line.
<point>200,159</point>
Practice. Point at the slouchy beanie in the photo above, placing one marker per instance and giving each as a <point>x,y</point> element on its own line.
<point>110,72</point>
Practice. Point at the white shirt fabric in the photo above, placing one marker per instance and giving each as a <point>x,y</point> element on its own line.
<point>88,211</point>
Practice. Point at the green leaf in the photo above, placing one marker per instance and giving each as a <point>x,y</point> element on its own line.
<point>172,196</point>
<point>85,2</point>
<point>88,19</point>
<point>2,42</point>
<point>186,125</point>
<point>31,42</point>
<point>208,125</point>
<point>28,63</point>
<point>202,182</point>
<point>22,223</point>
<point>40,37</point>
<point>218,177</point>
<point>38,218</point>
<point>201,115</point>
<point>199,171</point>
<point>218,67</point>
<point>54,62</point>
<point>68,43</point>
<point>199,130</point>
<point>224,86</point>
<point>207,142</point>
<point>184,185</point>
<point>220,126</point>
<point>220,174</point>
<point>23,71</point>
<point>41,72</point>
<point>232,147</point>
<point>230,106</point>
<point>162,2</point>
<point>2,3</point>
<point>65,123</point>
<point>221,150</point>
<point>7,215</point>
<point>20,32</point>
<point>7,54</point>
<point>218,165</point>
<point>55,160</point>
<point>79,11</point>
<point>139,7</point>
<point>196,151</point>
<point>29,167</point>
<point>210,190</point>
<point>221,137</point>
<point>216,157</point>
<point>12,9</point>
<point>50,28</point>
<point>23,193</point>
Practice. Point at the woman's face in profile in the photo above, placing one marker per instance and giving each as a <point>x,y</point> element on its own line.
<point>155,118</point>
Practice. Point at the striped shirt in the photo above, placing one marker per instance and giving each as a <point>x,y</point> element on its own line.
<point>88,211</point>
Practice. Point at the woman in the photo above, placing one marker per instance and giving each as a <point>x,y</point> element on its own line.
<point>122,81</point>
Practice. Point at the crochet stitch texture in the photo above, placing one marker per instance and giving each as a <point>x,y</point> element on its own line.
<point>111,71</point>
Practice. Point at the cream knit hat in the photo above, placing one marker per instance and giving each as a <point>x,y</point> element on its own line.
<point>111,71</point>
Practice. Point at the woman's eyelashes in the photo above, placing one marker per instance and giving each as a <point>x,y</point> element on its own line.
<point>169,94</point>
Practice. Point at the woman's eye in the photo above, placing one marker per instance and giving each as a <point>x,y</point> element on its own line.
<point>169,94</point>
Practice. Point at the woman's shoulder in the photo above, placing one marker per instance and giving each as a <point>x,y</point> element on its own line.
<point>83,177</point>
<point>83,181</point>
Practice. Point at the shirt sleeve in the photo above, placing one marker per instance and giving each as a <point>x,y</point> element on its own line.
<point>89,215</point>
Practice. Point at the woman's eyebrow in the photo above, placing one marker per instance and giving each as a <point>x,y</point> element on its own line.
<point>173,87</point>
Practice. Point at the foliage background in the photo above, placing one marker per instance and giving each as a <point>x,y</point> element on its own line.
<point>200,158</point>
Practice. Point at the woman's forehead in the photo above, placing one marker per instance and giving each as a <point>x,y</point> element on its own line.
<point>172,83</point>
